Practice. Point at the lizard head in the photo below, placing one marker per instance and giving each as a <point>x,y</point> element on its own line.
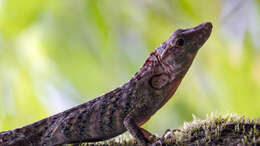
<point>180,49</point>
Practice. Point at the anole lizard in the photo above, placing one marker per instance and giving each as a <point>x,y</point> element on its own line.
<point>125,108</point>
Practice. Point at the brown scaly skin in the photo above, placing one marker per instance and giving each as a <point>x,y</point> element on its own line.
<point>125,108</point>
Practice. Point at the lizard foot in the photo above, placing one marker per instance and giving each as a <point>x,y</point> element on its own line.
<point>159,140</point>
<point>153,138</point>
<point>157,143</point>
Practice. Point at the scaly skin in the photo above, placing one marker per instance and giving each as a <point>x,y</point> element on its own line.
<point>125,108</point>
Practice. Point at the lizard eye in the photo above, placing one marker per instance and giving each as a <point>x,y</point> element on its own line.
<point>179,42</point>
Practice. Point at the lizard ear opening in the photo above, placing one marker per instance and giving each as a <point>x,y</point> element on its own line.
<point>159,81</point>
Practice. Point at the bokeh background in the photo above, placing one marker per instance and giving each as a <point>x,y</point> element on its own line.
<point>55,54</point>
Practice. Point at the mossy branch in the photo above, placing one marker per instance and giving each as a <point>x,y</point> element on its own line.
<point>217,129</point>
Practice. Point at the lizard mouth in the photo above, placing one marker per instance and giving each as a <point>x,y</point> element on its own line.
<point>203,30</point>
<point>198,35</point>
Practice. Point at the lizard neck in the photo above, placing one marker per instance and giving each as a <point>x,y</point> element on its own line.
<point>152,86</point>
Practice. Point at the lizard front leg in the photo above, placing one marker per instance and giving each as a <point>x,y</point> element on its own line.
<point>135,131</point>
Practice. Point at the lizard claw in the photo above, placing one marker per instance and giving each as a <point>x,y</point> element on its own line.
<point>153,138</point>
<point>157,143</point>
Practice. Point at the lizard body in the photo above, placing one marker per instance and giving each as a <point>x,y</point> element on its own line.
<point>125,108</point>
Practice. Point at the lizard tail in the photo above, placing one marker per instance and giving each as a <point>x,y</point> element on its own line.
<point>29,135</point>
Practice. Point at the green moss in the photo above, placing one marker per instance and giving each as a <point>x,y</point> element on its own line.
<point>122,140</point>
<point>216,129</point>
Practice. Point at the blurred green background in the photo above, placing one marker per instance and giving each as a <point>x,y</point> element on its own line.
<point>55,54</point>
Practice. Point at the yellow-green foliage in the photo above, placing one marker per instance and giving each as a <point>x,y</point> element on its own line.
<point>216,129</point>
